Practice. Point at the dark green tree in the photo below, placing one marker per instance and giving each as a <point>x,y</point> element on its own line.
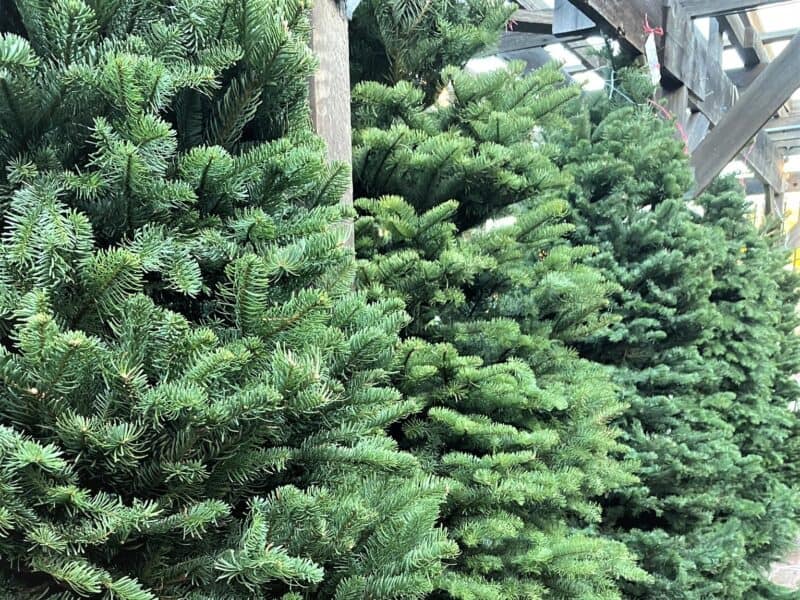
<point>461,218</point>
<point>392,41</point>
<point>696,349</point>
<point>755,349</point>
<point>193,399</point>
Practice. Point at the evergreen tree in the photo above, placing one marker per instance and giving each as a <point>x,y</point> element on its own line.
<point>695,349</point>
<point>461,217</point>
<point>392,41</point>
<point>756,350</point>
<point>194,399</point>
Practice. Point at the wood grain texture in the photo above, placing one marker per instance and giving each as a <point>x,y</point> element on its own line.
<point>569,20</point>
<point>533,21</point>
<point>330,86</point>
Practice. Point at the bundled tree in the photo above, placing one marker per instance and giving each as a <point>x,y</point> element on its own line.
<point>701,323</point>
<point>194,399</point>
<point>461,217</point>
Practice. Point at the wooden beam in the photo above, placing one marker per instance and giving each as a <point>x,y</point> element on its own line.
<point>330,87</point>
<point>768,37</point>
<point>791,121</point>
<point>716,40</point>
<point>513,41</point>
<point>685,59</point>
<point>745,118</point>
<point>568,20</point>
<point>713,8</point>
<point>623,19</point>
<point>746,40</point>
<point>773,200</point>
<point>785,137</point>
<point>741,78</point>
<point>696,129</point>
<point>533,21</point>
<point>676,101</point>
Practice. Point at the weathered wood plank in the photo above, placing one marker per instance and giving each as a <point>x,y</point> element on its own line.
<point>330,86</point>
<point>746,40</point>
<point>696,129</point>
<point>623,19</point>
<point>710,8</point>
<point>773,201</point>
<point>741,78</point>
<point>533,21</point>
<point>568,20</point>
<point>785,139</point>
<point>791,121</point>
<point>687,55</point>
<point>744,119</point>
<point>781,35</point>
<point>513,41</point>
<point>764,158</point>
<point>715,39</point>
<point>676,101</point>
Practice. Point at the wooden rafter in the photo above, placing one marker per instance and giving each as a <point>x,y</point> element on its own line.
<point>790,121</point>
<point>768,37</point>
<point>745,39</point>
<point>533,21</point>
<point>711,8</point>
<point>754,109</point>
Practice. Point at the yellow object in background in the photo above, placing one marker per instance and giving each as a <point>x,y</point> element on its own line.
<point>791,211</point>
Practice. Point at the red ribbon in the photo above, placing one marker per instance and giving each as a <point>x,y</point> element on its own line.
<point>669,116</point>
<point>653,30</point>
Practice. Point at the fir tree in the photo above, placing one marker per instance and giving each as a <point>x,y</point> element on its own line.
<point>194,400</point>
<point>695,349</point>
<point>756,350</point>
<point>392,41</point>
<point>513,419</point>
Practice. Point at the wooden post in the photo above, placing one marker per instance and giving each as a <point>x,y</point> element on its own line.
<point>330,86</point>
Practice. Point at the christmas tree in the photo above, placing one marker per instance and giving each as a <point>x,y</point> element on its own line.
<point>696,350</point>
<point>461,217</point>
<point>194,400</point>
<point>392,41</point>
<point>755,349</point>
